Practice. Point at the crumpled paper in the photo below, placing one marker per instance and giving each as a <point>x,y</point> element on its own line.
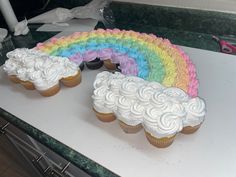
<point>3,34</point>
<point>21,28</point>
<point>93,10</point>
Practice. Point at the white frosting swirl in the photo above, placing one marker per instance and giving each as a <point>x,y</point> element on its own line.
<point>176,93</point>
<point>196,111</point>
<point>117,75</point>
<point>169,123</point>
<point>155,85</point>
<point>144,94</point>
<point>101,79</point>
<point>21,73</point>
<point>18,53</point>
<point>129,89</point>
<point>70,69</point>
<point>161,124</point>
<point>10,67</point>
<point>99,100</point>
<point>123,105</point>
<point>137,112</point>
<point>115,85</point>
<point>123,109</point>
<point>161,101</point>
<point>134,79</point>
<point>110,101</point>
<point>35,76</point>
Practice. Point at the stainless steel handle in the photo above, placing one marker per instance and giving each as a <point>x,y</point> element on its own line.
<point>65,167</point>
<point>37,165</point>
<point>3,128</point>
<point>60,173</point>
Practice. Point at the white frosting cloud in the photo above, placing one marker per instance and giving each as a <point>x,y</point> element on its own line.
<point>42,70</point>
<point>162,111</point>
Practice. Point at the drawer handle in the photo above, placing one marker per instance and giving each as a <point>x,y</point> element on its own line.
<point>3,128</point>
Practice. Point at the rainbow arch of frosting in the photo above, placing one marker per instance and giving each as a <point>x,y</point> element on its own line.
<point>140,54</point>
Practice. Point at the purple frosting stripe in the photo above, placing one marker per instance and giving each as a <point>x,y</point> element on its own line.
<point>90,55</point>
<point>128,65</point>
<point>77,58</point>
<point>105,54</point>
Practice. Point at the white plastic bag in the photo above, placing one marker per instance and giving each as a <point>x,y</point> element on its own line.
<point>91,10</point>
<point>53,16</point>
<point>96,9</point>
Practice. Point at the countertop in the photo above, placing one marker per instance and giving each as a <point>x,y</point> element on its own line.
<point>67,124</point>
<point>71,129</point>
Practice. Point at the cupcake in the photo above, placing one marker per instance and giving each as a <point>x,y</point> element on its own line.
<point>109,65</point>
<point>110,101</point>
<point>196,111</point>
<point>22,74</point>
<point>102,112</point>
<point>14,79</point>
<point>101,79</point>
<point>105,55</point>
<point>46,78</point>
<point>92,62</point>
<point>129,123</point>
<point>27,85</point>
<point>25,78</point>
<point>46,86</point>
<point>72,75</point>
<point>47,92</point>
<point>72,81</point>
<point>95,64</point>
<point>10,68</point>
<point>161,127</point>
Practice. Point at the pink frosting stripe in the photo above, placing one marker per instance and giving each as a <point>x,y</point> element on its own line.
<point>193,82</point>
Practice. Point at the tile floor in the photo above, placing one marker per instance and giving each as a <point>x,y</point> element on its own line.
<point>12,164</point>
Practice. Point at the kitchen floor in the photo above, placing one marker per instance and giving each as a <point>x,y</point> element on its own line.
<point>12,164</point>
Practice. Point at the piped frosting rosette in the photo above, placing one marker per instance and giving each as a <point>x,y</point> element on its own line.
<point>139,54</point>
<point>162,111</point>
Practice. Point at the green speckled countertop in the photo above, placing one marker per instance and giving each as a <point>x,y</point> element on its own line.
<point>178,33</point>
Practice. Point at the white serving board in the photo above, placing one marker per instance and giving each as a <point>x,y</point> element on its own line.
<point>68,117</point>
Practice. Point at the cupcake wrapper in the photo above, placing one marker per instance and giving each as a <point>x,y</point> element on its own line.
<point>159,142</point>
<point>28,85</point>
<point>14,79</point>
<point>130,128</point>
<point>51,91</point>
<point>109,65</point>
<point>105,117</point>
<point>190,130</point>
<point>96,64</point>
<point>72,80</point>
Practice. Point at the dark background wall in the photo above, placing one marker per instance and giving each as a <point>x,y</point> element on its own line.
<point>30,8</point>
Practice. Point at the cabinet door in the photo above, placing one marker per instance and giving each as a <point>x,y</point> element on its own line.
<point>47,162</point>
<point>12,161</point>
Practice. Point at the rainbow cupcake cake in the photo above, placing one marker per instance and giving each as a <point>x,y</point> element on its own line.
<point>138,54</point>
